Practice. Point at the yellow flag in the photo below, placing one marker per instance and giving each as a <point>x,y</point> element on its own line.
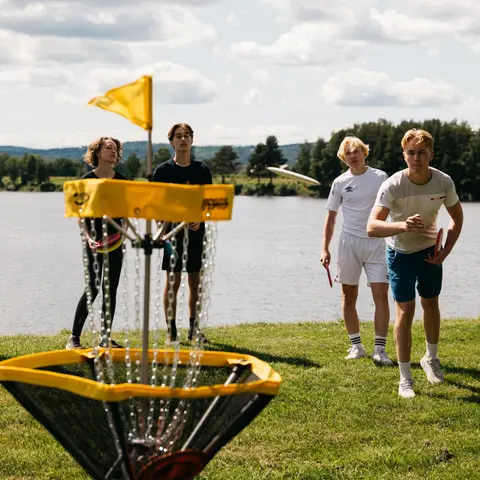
<point>133,101</point>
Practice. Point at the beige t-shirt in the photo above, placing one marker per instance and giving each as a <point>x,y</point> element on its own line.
<point>404,199</point>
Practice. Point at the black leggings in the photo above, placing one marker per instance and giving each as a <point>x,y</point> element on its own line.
<point>115,260</point>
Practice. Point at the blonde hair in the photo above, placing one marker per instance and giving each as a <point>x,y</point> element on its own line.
<point>421,136</point>
<point>91,155</point>
<point>352,142</point>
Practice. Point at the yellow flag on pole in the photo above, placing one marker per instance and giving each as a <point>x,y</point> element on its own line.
<point>133,101</point>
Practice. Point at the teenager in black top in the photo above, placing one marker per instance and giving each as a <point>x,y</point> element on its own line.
<point>103,155</point>
<point>182,169</point>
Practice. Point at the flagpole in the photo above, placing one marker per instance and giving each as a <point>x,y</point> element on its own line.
<point>148,257</point>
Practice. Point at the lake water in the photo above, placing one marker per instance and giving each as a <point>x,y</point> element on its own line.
<point>267,266</point>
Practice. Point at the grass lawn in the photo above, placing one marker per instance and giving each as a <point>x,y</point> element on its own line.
<point>332,419</point>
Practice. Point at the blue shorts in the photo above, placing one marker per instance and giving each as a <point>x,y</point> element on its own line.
<point>409,270</point>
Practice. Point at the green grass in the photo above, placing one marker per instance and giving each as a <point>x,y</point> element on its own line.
<point>332,419</point>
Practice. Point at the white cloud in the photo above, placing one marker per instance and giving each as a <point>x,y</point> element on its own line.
<point>304,44</point>
<point>362,88</point>
<point>260,76</point>
<point>253,96</point>
<point>38,76</point>
<point>254,134</point>
<point>173,83</point>
<point>172,27</point>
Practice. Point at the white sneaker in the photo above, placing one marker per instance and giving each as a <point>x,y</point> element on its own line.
<point>431,367</point>
<point>405,388</point>
<point>356,351</point>
<point>380,357</point>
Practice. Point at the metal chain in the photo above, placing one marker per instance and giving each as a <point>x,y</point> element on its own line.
<point>107,327</point>
<point>98,277</point>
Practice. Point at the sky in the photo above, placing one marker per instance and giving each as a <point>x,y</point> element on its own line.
<point>235,70</point>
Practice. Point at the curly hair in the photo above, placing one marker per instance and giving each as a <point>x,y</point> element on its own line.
<point>91,155</point>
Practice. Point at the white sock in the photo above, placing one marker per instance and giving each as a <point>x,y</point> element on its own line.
<point>380,343</point>
<point>432,350</point>
<point>405,372</point>
<point>355,339</point>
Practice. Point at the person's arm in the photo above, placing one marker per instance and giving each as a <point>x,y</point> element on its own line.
<point>455,226</point>
<point>378,226</point>
<point>328,230</point>
<point>334,202</point>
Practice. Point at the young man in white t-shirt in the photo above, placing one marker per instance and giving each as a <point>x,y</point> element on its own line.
<point>355,191</point>
<point>411,199</point>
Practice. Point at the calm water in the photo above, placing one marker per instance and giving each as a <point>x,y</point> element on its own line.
<point>267,266</point>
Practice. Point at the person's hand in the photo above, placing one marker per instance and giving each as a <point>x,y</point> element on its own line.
<point>414,223</point>
<point>194,226</point>
<point>92,244</point>
<point>325,258</point>
<point>439,259</point>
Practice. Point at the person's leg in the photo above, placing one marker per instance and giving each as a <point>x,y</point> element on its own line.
<point>429,288</point>
<point>170,303</point>
<point>172,284</point>
<point>115,260</point>
<point>194,266</point>
<point>402,270</point>
<point>81,312</point>
<point>376,271</point>
<point>349,270</point>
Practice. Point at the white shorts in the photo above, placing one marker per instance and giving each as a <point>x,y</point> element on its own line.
<point>355,253</point>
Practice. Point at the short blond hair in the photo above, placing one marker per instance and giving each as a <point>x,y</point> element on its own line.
<point>352,143</point>
<point>91,155</point>
<point>419,135</point>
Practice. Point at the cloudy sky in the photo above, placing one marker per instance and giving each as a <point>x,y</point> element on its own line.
<point>236,70</point>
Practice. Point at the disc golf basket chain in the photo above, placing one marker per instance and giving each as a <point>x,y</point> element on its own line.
<point>146,411</point>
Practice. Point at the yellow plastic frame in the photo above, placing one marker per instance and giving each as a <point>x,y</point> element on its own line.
<point>23,369</point>
<point>169,202</point>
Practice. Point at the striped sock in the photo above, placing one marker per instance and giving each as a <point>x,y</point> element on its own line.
<point>380,342</point>
<point>355,339</point>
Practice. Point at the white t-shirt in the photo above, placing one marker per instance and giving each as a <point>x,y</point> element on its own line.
<point>404,199</point>
<point>356,195</point>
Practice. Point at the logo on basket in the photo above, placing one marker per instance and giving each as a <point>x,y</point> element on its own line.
<point>211,203</point>
<point>80,198</point>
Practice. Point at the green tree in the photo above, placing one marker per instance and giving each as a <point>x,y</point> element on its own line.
<point>224,161</point>
<point>257,162</point>
<point>131,166</point>
<point>162,154</point>
<point>12,168</point>
<point>303,161</point>
<point>41,174</point>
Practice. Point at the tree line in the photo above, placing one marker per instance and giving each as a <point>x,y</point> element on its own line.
<point>457,153</point>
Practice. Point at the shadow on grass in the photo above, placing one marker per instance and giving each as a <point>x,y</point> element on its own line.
<point>469,372</point>
<point>266,357</point>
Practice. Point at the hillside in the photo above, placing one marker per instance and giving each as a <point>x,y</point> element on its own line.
<point>290,152</point>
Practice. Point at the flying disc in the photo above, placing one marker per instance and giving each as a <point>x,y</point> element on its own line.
<point>111,243</point>
<point>438,243</point>
<point>327,268</point>
<point>294,175</point>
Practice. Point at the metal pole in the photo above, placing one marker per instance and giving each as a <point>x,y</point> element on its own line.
<point>148,257</point>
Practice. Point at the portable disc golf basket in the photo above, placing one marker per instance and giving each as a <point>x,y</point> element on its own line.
<point>143,413</point>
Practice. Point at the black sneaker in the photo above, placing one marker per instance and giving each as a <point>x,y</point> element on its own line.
<point>172,335</point>
<point>114,344</point>
<point>73,343</point>
<point>200,337</point>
